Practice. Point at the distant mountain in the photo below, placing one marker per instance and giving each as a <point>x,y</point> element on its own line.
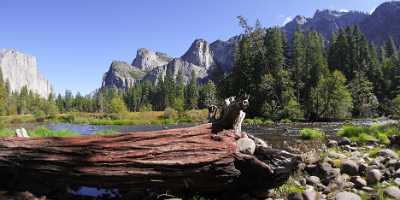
<point>203,57</point>
<point>20,70</point>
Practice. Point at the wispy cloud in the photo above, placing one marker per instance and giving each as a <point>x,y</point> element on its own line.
<point>287,20</point>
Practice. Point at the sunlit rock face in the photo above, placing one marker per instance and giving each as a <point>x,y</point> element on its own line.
<point>122,75</point>
<point>201,57</point>
<point>20,70</point>
<point>199,54</point>
<point>147,60</point>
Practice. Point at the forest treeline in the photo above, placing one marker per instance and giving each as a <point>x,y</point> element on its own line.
<point>309,77</point>
<point>305,77</point>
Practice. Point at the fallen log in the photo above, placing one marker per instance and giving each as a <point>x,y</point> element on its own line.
<point>185,159</point>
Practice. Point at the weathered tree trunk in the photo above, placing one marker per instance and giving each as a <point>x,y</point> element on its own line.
<point>186,159</point>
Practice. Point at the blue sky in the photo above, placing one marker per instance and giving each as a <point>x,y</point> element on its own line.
<point>76,40</point>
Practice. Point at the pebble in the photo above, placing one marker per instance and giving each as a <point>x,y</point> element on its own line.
<point>392,192</point>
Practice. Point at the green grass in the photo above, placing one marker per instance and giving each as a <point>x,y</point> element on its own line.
<point>258,121</point>
<point>364,134</point>
<point>289,187</point>
<point>44,132</point>
<point>40,132</point>
<point>310,134</point>
<point>132,118</point>
<point>7,133</point>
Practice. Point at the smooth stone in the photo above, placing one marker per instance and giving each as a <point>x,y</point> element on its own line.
<point>310,195</point>
<point>332,143</point>
<point>392,192</point>
<point>295,196</point>
<point>388,153</point>
<point>313,180</point>
<point>344,141</point>
<point>333,154</point>
<point>246,146</point>
<point>358,181</point>
<point>374,176</point>
<point>347,196</point>
<point>368,189</point>
<point>349,167</point>
<point>397,181</point>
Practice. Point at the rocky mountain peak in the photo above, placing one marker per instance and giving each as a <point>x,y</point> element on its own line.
<point>122,75</point>
<point>199,54</point>
<point>147,60</point>
<point>21,70</point>
<point>387,9</point>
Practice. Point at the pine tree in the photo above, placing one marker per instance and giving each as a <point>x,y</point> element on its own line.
<point>330,99</point>
<point>192,93</point>
<point>179,92</point>
<point>3,95</point>
<point>298,64</point>
<point>207,95</point>
<point>365,102</point>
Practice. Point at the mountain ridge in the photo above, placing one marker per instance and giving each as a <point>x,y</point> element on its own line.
<point>205,57</point>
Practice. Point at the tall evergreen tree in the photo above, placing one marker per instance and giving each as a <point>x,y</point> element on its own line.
<point>192,93</point>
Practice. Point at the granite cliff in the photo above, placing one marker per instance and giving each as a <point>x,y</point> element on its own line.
<point>21,70</point>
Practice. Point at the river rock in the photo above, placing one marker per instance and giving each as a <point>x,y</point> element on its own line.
<point>295,196</point>
<point>313,180</point>
<point>246,146</point>
<point>358,181</point>
<point>397,181</point>
<point>374,176</point>
<point>347,196</point>
<point>392,192</point>
<point>349,167</point>
<point>310,194</point>
<point>344,141</point>
<point>332,143</point>
<point>335,155</point>
<point>388,153</point>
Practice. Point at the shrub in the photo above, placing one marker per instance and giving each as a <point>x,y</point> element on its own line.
<point>309,133</point>
<point>170,113</point>
<point>375,133</point>
<point>7,133</point>
<point>39,115</point>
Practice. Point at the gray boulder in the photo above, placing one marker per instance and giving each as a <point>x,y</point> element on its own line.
<point>388,153</point>
<point>392,192</point>
<point>358,181</point>
<point>374,176</point>
<point>347,196</point>
<point>246,146</point>
<point>349,167</point>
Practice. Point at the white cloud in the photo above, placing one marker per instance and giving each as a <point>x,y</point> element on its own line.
<point>287,19</point>
<point>343,10</point>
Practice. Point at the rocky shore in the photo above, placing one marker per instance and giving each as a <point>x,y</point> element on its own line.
<point>346,171</point>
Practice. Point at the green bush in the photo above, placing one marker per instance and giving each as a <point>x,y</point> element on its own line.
<point>170,113</point>
<point>7,133</point>
<point>39,115</point>
<point>309,134</point>
<point>363,134</point>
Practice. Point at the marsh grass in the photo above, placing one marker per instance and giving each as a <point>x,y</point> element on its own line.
<point>40,132</point>
<point>289,187</point>
<point>311,134</point>
<point>371,134</point>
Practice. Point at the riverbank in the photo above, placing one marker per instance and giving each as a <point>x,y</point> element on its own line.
<point>130,118</point>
